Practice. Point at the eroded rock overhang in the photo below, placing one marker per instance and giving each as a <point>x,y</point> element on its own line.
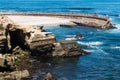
<point>35,39</point>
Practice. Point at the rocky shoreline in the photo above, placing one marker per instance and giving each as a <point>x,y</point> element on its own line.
<point>18,43</point>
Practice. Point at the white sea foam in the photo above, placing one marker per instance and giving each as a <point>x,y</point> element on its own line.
<point>96,43</point>
<point>94,46</point>
<point>116,47</point>
<point>90,50</point>
<point>97,50</point>
<point>70,39</point>
<point>117,26</point>
<point>114,30</point>
<point>102,51</point>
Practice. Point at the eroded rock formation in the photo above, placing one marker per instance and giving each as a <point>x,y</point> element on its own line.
<point>40,43</point>
<point>18,42</point>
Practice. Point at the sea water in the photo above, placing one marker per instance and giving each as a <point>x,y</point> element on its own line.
<point>104,45</point>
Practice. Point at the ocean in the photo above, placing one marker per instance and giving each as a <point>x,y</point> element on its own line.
<point>104,45</point>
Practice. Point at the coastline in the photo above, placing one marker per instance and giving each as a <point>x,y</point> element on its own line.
<point>45,26</point>
<point>62,19</point>
<point>25,31</point>
<point>21,41</point>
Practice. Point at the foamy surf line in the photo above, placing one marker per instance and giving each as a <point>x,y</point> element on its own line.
<point>117,26</point>
<point>96,43</point>
<point>116,30</point>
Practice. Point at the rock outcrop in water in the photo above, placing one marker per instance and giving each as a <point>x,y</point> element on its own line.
<point>49,77</point>
<point>40,43</point>
<point>67,48</point>
<point>18,42</point>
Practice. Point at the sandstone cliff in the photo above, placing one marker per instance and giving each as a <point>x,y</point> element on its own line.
<point>19,42</point>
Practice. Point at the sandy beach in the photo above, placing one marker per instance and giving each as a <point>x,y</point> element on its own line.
<point>38,20</point>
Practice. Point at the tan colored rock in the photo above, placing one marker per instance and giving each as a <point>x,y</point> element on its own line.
<point>40,43</point>
<point>49,77</point>
<point>37,40</point>
<point>15,75</point>
<point>67,48</point>
<point>58,50</point>
<point>4,21</point>
<point>2,60</point>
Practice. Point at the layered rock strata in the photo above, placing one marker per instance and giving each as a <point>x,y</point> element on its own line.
<point>41,43</point>
<point>18,42</point>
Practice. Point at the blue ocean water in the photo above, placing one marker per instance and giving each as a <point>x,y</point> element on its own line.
<point>104,45</point>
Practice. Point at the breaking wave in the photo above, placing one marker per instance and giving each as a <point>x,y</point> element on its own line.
<point>96,43</point>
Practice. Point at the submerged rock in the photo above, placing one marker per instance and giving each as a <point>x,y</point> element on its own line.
<point>49,77</point>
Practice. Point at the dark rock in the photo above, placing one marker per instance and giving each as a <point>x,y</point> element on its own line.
<point>78,36</point>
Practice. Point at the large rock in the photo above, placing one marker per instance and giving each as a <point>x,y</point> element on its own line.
<point>42,43</point>
<point>13,61</point>
<point>39,42</point>
<point>67,48</point>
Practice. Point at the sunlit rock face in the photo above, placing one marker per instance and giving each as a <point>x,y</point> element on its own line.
<point>40,42</point>
<point>67,48</point>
